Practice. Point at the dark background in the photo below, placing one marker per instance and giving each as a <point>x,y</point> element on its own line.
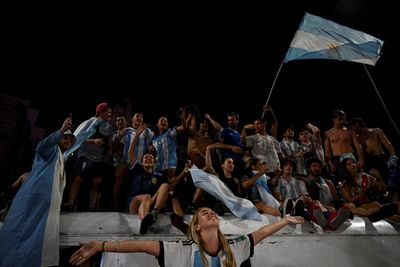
<point>221,59</point>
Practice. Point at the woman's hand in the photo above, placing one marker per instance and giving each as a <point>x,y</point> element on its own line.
<point>85,252</point>
<point>294,219</point>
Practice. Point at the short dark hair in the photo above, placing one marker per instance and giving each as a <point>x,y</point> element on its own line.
<point>233,114</point>
<point>339,113</point>
<point>261,119</point>
<point>357,120</point>
<point>287,160</point>
<point>252,161</point>
<point>313,160</point>
<point>120,114</point>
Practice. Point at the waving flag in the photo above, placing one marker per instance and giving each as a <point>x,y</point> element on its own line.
<point>240,207</point>
<point>319,38</point>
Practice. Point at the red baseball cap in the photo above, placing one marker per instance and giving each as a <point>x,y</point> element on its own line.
<point>101,107</point>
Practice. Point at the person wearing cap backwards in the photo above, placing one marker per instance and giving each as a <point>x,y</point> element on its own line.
<point>30,233</point>
<point>94,139</point>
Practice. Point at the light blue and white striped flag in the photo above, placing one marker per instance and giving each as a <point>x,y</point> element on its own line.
<point>30,233</point>
<point>240,207</point>
<point>319,38</point>
<point>265,192</point>
<point>82,133</point>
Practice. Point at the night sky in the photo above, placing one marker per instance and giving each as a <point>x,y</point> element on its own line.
<point>221,60</point>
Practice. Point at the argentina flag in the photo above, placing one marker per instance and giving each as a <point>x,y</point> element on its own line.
<point>30,233</point>
<point>240,207</point>
<point>319,38</point>
<point>82,133</point>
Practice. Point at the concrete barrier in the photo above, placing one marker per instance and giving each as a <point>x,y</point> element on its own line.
<point>357,242</point>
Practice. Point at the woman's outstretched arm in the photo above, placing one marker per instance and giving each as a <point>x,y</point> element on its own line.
<point>272,228</point>
<point>87,250</point>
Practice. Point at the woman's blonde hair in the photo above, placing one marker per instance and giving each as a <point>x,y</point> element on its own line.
<point>222,242</point>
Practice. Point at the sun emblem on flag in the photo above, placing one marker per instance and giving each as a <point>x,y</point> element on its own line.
<point>333,46</point>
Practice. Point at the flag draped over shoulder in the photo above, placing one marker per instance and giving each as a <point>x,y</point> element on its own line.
<point>82,133</point>
<point>240,207</point>
<point>319,38</point>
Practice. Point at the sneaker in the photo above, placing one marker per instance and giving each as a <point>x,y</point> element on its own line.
<point>67,207</point>
<point>319,217</point>
<point>190,209</point>
<point>91,209</point>
<point>219,208</point>
<point>180,223</point>
<point>298,208</point>
<point>287,207</point>
<point>147,221</point>
<point>154,213</point>
<point>341,216</point>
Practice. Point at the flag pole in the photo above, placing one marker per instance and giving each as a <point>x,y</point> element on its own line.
<point>381,99</point>
<point>272,88</point>
<point>279,70</point>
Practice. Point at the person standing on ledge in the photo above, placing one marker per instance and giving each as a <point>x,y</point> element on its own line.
<point>341,142</point>
<point>30,233</point>
<point>378,150</point>
<point>206,246</point>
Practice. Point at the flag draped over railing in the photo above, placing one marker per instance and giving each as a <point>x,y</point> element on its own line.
<point>319,38</point>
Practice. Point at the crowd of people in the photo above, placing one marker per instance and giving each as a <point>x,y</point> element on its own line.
<point>146,169</point>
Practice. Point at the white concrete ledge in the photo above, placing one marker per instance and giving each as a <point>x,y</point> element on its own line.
<point>357,242</point>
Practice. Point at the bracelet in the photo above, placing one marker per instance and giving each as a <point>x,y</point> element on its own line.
<point>116,245</point>
<point>102,247</point>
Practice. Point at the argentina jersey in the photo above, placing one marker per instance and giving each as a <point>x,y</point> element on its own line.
<point>187,253</point>
<point>165,145</point>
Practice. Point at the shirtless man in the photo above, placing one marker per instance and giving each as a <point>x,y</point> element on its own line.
<point>199,140</point>
<point>341,142</point>
<point>371,140</point>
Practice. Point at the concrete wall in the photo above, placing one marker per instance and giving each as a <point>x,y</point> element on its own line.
<point>357,242</point>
